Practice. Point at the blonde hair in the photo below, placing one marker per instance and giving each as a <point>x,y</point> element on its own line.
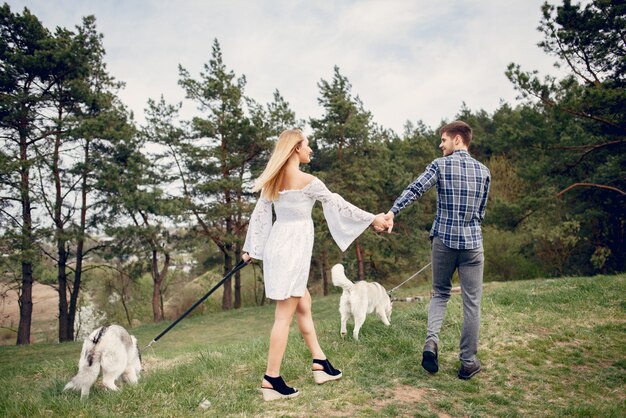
<point>270,181</point>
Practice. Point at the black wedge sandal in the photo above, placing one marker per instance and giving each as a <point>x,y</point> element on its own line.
<point>279,389</point>
<point>327,374</point>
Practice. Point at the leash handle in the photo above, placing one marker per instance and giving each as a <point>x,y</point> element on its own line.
<point>238,267</point>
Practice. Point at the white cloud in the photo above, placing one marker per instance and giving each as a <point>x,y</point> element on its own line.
<point>407,60</point>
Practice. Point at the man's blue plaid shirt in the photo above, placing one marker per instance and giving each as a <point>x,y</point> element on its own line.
<point>462,190</point>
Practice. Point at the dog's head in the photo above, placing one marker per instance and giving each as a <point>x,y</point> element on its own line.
<point>137,360</point>
<point>388,304</point>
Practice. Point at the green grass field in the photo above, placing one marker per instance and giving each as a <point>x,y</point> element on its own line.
<point>548,347</point>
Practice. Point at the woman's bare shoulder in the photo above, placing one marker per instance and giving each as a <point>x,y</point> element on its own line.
<point>306,178</point>
<point>298,181</point>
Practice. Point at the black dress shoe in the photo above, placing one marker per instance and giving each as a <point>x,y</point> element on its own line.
<point>430,360</point>
<point>466,371</point>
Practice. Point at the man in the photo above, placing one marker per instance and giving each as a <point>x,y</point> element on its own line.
<point>462,190</point>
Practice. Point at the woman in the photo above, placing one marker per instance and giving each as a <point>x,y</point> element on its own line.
<point>286,247</point>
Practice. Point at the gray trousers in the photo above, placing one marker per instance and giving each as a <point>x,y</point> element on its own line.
<point>470,264</point>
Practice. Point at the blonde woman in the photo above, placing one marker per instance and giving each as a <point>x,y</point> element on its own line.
<point>286,247</point>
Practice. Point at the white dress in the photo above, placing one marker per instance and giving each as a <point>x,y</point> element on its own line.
<point>286,246</point>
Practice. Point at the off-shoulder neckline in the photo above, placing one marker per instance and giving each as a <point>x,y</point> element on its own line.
<point>299,190</point>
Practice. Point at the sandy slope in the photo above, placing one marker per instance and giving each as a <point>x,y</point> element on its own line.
<point>45,303</point>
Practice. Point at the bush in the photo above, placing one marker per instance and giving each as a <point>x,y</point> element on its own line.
<point>506,255</point>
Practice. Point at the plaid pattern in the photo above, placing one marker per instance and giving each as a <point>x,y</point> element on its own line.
<point>462,190</point>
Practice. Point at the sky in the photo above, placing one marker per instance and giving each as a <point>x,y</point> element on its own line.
<point>407,60</point>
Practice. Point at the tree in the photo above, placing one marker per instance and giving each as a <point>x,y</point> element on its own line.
<point>342,142</point>
<point>133,183</point>
<point>583,160</point>
<point>27,52</point>
<point>81,111</point>
<point>214,154</point>
<point>222,151</point>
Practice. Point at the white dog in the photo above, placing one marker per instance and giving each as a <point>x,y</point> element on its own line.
<point>114,350</point>
<point>359,299</point>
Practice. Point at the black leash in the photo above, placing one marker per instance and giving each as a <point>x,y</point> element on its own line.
<point>238,267</point>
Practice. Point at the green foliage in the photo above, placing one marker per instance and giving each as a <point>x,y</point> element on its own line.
<point>554,245</point>
<point>345,123</point>
<point>52,85</point>
<point>220,153</point>
<point>26,51</point>
<point>600,256</point>
<point>508,255</point>
<point>581,153</point>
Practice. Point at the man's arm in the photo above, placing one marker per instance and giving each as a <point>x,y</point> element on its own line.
<point>483,203</point>
<point>421,185</point>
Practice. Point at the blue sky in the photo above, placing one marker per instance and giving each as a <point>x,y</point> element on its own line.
<point>406,59</point>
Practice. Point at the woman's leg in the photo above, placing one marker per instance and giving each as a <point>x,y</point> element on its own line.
<point>307,328</point>
<point>278,338</point>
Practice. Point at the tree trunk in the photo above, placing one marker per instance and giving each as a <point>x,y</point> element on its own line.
<point>26,304</point>
<point>157,278</point>
<point>62,281</point>
<point>123,300</point>
<point>157,315</point>
<point>79,249</point>
<point>26,296</point>
<point>227,296</point>
<point>359,258</point>
<point>237,279</point>
<point>227,302</point>
<point>62,255</point>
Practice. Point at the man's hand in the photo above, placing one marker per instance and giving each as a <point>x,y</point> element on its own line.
<point>389,221</point>
<point>246,257</point>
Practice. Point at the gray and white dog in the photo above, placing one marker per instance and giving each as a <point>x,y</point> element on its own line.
<point>359,299</point>
<point>111,349</point>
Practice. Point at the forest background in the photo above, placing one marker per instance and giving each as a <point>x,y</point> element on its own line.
<point>136,220</point>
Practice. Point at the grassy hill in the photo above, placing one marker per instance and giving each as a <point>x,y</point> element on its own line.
<point>548,347</point>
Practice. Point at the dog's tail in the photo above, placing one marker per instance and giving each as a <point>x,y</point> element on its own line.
<point>339,278</point>
<point>88,365</point>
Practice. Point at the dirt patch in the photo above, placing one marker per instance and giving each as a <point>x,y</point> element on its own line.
<point>149,364</point>
<point>407,397</point>
<point>408,394</point>
<point>45,304</point>
<point>44,319</point>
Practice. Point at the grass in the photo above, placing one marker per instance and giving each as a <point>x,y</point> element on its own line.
<point>548,348</point>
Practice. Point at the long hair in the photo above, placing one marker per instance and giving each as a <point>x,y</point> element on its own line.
<point>270,181</point>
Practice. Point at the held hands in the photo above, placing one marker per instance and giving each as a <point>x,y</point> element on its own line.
<point>389,219</point>
<point>383,221</point>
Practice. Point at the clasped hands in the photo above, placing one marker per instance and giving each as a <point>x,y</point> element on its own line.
<point>383,221</point>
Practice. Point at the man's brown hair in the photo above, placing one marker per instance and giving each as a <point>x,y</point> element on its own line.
<point>458,128</point>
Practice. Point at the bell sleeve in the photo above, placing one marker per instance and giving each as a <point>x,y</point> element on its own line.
<point>345,221</point>
<point>259,228</point>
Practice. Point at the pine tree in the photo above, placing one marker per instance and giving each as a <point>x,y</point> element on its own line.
<point>342,142</point>
<point>27,51</point>
<point>585,112</point>
<point>217,156</point>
